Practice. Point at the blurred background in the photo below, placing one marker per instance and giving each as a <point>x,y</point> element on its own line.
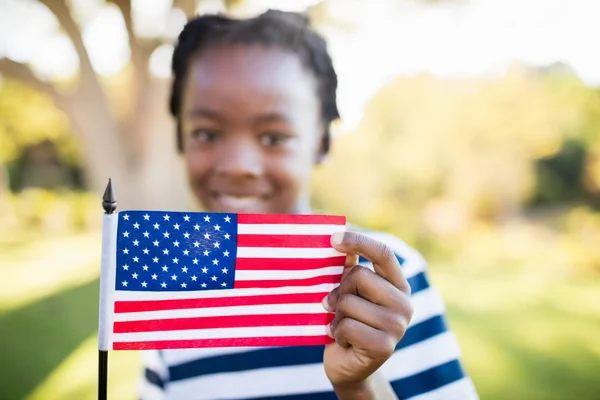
<point>470,128</point>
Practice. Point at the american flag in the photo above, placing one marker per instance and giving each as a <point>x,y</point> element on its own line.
<point>188,280</point>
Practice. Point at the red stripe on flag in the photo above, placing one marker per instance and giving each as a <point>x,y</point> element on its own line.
<point>274,283</point>
<point>290,241</point>
<point>226,342</point>
<point>229,321</point>
<point>287,264</point>
<point>290,219</point>
<point>161,305</point>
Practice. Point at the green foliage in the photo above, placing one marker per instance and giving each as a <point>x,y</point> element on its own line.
<point>460,169</point>
<point>48,211</point>
<point>28,118</point>
<point>560,177</point>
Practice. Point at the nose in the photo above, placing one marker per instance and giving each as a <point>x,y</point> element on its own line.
<point>239,159</point>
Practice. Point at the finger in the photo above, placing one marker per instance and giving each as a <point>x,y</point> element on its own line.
<point>363,282</point>
<point>351,262</point>
<point>370,314</point>
<point>381,256</point>
<point>351,332</point>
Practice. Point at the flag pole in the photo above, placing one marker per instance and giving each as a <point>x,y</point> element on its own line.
<point>109,204</point>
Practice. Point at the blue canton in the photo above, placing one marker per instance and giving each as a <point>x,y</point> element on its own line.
<point>175,251</point>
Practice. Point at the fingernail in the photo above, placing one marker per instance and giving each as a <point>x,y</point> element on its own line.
<point>337,238</point>
<point>325,304</point>
<point>328,331</point>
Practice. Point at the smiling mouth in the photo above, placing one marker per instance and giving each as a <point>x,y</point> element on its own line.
<point>239,203</point>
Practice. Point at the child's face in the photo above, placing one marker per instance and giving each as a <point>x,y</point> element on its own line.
<point>252,130</point>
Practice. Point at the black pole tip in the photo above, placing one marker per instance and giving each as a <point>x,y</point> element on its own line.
<point>109,201</point>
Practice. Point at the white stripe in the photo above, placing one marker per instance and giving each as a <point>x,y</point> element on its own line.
<point>180,356</point>
<point>149,391</point>
<point>421,356</point>
<point>125,295</point>
<point>412,267</point>
<point>288,380</point>
<point>311,308</point>
<point>256,275</point>
<point>426,304</point>
<point>278,381</point>
<point>462,389</point>
<point>289,229</point>
<point>151,359</point>
<point>313,330</point>
<point>286,252</point>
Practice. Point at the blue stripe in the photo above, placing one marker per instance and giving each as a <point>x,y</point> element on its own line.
<point>254,359</point>
<point>287,356</point>
<point>418,282</point>
<point>428,380</point>
<point>305,396</point>
<point>153,378</point>
<point>362,260</point>
<point>405,388</point>
<point>423,330</point>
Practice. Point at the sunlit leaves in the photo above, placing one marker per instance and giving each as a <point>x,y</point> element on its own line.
<point>27,118</point>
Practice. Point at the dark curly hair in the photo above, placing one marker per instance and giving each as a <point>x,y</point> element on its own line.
<point>286,30</point>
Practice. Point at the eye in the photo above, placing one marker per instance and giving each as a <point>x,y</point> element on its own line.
<point>205,135</point>
<point>274,138</point>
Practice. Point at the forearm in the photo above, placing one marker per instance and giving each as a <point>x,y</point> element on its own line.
<point>376,387</point>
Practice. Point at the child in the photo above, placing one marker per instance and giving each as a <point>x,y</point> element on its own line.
<point>253,100</point>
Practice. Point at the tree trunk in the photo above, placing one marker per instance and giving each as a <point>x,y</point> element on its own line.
<point>146,174</point>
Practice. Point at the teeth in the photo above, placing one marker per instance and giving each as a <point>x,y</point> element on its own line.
<point>238,201</point>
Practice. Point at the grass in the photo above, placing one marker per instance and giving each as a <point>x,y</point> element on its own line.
<point>520,340</point>
<point>523,342</point>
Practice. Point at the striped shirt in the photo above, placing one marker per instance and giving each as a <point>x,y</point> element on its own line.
<point>425,365</point>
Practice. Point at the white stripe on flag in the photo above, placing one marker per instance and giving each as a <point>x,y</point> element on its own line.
<point>288,229</point>
<point>247,332</point>
<point>286,252</point>
<point>125,295</point>
<point>256,275</point>
<point>305,308</point>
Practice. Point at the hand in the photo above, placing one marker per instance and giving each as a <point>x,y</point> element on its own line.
<point>372,312</point>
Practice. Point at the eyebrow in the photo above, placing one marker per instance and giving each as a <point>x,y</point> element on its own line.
<point>261,119</point>
<point>271,117</point>
<point>206,113</point>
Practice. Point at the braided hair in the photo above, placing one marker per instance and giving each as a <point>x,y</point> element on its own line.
<point>285,30</point>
